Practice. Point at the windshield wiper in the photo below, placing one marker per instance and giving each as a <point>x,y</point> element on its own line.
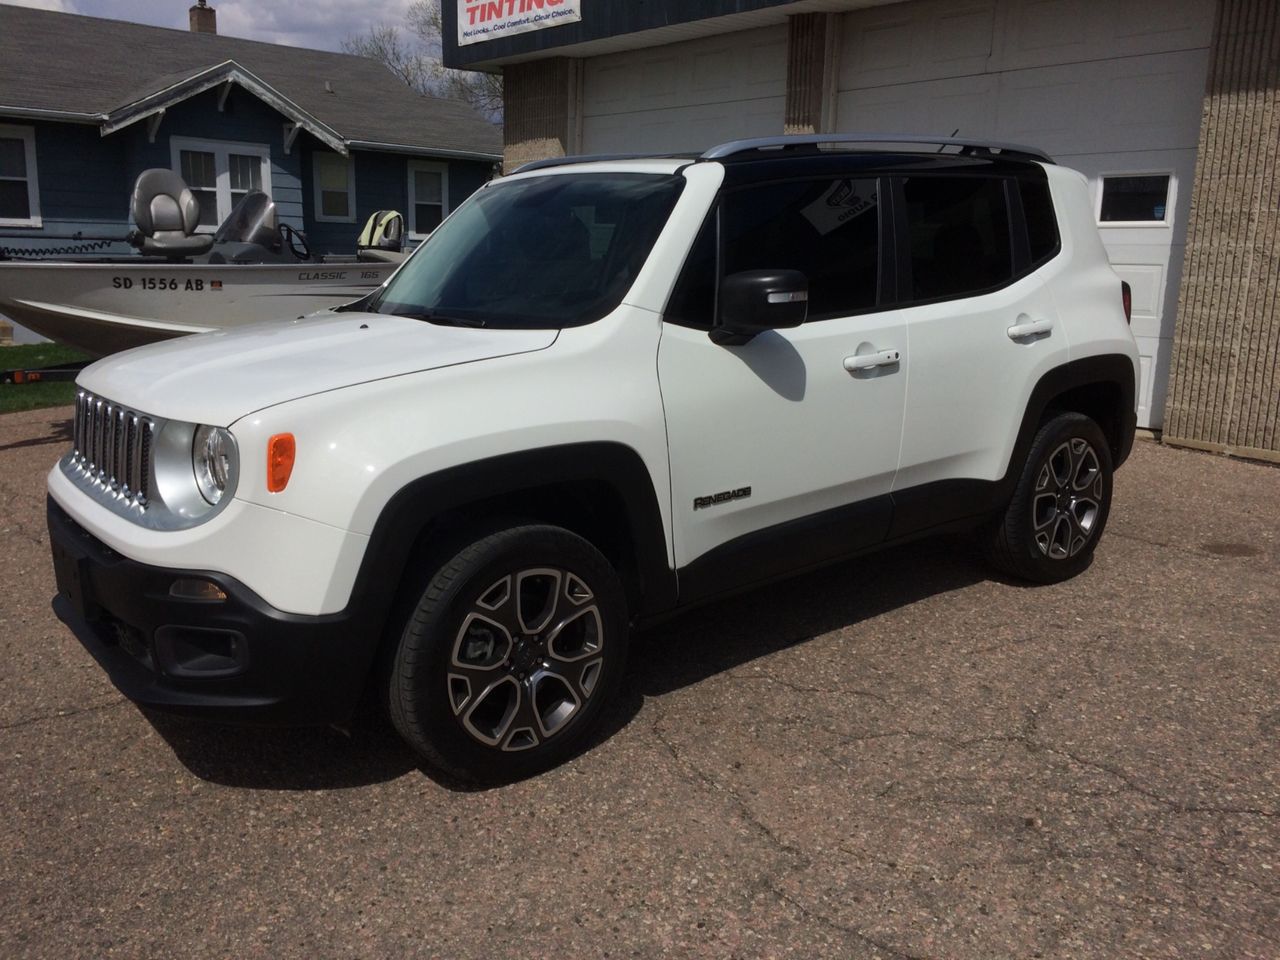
<point>443,319</point>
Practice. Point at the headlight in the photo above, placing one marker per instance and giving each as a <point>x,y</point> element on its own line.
<point>213,458</point>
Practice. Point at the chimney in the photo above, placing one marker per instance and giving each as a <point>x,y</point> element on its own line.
<point>204,19</point>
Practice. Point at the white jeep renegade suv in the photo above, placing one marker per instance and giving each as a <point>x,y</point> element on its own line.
<point>603,390</point>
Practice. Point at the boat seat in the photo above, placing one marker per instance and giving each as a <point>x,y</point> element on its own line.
<point>384,230</point>
<point>167,213</point>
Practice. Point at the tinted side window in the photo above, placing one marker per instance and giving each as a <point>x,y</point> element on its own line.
<point>1042,225</point>
<point>958,232</point>
<point>827,229</point>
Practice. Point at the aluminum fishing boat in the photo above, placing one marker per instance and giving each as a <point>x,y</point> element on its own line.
<point>253,268</point>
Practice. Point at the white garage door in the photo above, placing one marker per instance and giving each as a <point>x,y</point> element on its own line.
<point>686,96</point>
<point>1112,88</point>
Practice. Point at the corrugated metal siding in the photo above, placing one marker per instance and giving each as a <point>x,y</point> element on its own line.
<point>536,111</point>
<point>1225,389</point>
<point>806,76</point>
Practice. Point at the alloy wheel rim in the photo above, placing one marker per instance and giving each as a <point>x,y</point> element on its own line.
<point>526,658</point>
<point>1068,499</point>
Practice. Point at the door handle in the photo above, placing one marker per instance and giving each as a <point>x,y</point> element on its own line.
<point>868,361</point>
<point>1029,328</point>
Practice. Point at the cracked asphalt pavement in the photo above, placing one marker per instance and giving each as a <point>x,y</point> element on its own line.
<point>896,757</point>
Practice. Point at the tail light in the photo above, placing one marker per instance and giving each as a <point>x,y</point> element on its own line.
<point>1126,294</point>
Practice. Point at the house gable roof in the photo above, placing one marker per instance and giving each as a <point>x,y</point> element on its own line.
<point>166,91</point>
<point>115,73</point>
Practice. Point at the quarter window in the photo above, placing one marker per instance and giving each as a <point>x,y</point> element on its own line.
<point>1138,199</point>
<point>827,229</point>
<point>428,196</point>
<point>19,192</point>
<point>1042,224</point>
<point>958,234</point>
<point>221,174</point>
<point>335,190</point>
<point>693,302</point>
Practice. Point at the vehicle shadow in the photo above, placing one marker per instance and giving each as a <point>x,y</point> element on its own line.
<point>304,758</point>
<point>684,651</point>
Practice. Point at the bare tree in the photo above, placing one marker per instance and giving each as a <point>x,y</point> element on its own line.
<point>413,54</point>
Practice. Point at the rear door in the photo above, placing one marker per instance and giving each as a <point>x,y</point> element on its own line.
<point>773,442</point>
<point>981,326</point>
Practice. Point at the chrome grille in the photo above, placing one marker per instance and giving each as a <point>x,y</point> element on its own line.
<point>113,446</point>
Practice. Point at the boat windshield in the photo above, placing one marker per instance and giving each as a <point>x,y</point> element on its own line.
<point>545,252</point>
<point>252,220</point>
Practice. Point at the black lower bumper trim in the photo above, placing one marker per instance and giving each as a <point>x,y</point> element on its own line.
<point>287,668</point>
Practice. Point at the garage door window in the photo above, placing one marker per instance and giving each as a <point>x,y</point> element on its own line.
<point>1135,199</point>
<point>958,234</point>
<point>829,230</point>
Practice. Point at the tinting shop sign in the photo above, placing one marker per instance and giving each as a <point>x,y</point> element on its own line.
<point>480,20</point>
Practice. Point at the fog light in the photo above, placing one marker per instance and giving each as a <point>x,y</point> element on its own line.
<point>201,653</point>
<point>197,590</point>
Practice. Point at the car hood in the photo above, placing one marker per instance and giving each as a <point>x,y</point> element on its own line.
<point>217,378</point>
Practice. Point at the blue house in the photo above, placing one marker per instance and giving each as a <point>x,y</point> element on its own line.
<point>87,104</point>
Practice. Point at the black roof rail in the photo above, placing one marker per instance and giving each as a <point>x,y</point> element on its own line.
<point>968,147</point>
<point>595,158</point>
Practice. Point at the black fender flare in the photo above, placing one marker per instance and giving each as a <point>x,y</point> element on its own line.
<point>1107,369</point>
<point>415,506</point>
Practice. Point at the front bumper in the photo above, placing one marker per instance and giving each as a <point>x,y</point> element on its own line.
<point>237,659</point>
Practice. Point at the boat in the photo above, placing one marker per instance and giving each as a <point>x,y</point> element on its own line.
<point>182,282</point>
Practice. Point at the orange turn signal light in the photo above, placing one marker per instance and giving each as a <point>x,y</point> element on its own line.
<point>281,450</point>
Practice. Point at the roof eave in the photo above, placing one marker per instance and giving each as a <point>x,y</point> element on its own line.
<point>227,72</point>
<point>39,113</point>
<point>442,152</point>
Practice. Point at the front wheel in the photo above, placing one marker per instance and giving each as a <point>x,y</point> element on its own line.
<point>514,647</point>
<point>1060,505</point>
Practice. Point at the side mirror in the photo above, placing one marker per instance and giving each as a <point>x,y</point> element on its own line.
<point>757,300</point>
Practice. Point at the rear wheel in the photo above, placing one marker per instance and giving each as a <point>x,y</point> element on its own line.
<point>514,647</point>
<point>1060,505</point>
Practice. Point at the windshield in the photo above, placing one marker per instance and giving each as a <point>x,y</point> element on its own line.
<point>253,220</point>
<point>552,251</point>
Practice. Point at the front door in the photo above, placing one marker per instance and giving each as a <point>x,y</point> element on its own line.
<point>783,450</point>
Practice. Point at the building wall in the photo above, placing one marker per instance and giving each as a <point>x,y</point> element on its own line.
<point>86,179</point>
<point>1225,386</point>
<point>75,197</point>
<point>382,183</point>
<point>245,119</point>
<point>1110,89</point>
<point>539,110</point>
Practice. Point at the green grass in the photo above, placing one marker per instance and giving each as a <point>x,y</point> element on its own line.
<point>33,396</point>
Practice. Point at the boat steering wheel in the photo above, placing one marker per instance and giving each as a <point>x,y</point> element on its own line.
<point>296,239</point>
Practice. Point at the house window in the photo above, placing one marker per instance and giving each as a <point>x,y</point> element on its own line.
<point>1143,198</point>
<point>428,196</point>
<point>335,187</point>
<point>19,191</point>
<point>220,174</point>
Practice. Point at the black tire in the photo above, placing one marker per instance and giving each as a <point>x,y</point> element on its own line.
<point>1050,528</point>
<point>506,678</point>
